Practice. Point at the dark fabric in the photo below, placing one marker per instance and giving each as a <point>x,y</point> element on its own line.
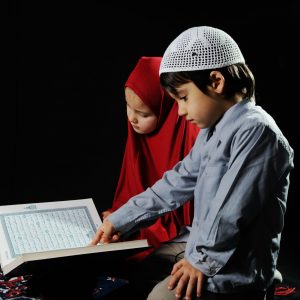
<point>106,285</point>
<point>144,275</point>
<point>59,286</point>
<point>238,296</point>
<point>16,288</point>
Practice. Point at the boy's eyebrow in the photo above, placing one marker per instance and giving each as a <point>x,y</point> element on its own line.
<point>181,90</point>
<point>181,87</point>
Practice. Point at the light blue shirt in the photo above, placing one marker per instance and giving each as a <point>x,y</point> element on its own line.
<point>239,178</point>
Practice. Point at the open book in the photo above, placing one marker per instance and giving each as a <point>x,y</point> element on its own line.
<point>33,234</point>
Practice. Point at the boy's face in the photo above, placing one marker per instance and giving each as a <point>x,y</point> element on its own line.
<point>197,107</point>
<point>140,116</point>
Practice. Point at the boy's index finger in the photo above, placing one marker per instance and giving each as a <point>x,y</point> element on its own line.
<point>97,237</point>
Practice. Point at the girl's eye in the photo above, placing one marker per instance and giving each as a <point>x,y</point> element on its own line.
<point>144,115</point>
<point>184,98</point>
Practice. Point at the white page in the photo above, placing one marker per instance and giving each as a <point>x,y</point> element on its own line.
<point>37,227</point>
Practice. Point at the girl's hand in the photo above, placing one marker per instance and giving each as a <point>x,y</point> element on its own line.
<point>105,214</point>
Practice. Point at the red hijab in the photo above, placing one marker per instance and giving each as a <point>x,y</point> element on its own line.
<point>148,156</point>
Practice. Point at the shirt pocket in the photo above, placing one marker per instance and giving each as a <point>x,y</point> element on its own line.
<point>211,179</point>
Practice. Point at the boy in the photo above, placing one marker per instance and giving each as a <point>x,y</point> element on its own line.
<point>238,172</point>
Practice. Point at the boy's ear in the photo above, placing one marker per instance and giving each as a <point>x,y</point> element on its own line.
<point>217,81</point>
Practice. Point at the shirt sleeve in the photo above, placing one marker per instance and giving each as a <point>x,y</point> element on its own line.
<point>252,191</point>
<point>167,194</point>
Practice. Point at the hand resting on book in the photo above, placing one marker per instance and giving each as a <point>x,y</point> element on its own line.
<point>106,234</point>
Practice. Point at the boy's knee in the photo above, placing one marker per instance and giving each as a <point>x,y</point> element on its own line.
<point>161,291</point>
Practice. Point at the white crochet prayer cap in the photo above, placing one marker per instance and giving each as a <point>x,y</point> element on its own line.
<point>201,48</point>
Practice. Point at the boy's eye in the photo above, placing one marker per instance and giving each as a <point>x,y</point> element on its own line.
<point>184,98</point>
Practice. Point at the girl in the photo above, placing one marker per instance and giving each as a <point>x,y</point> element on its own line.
<point>157,139</point>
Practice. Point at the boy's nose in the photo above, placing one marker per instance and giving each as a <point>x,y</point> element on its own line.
<point>181,110</point>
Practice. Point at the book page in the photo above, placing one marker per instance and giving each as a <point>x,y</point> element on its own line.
<point>47,226</point>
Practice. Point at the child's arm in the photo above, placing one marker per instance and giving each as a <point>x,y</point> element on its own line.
<point>173,190</point>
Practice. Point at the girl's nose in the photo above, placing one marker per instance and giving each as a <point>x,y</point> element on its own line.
<point>131,117</point>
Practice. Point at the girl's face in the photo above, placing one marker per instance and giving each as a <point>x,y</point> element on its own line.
<point>199,108</point>
<point>140,116</point>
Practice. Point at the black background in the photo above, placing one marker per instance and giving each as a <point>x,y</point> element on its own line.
<point>65,116</point>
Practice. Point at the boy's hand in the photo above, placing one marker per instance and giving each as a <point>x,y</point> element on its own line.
<point>187,280</point>
<point>105,234</point>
